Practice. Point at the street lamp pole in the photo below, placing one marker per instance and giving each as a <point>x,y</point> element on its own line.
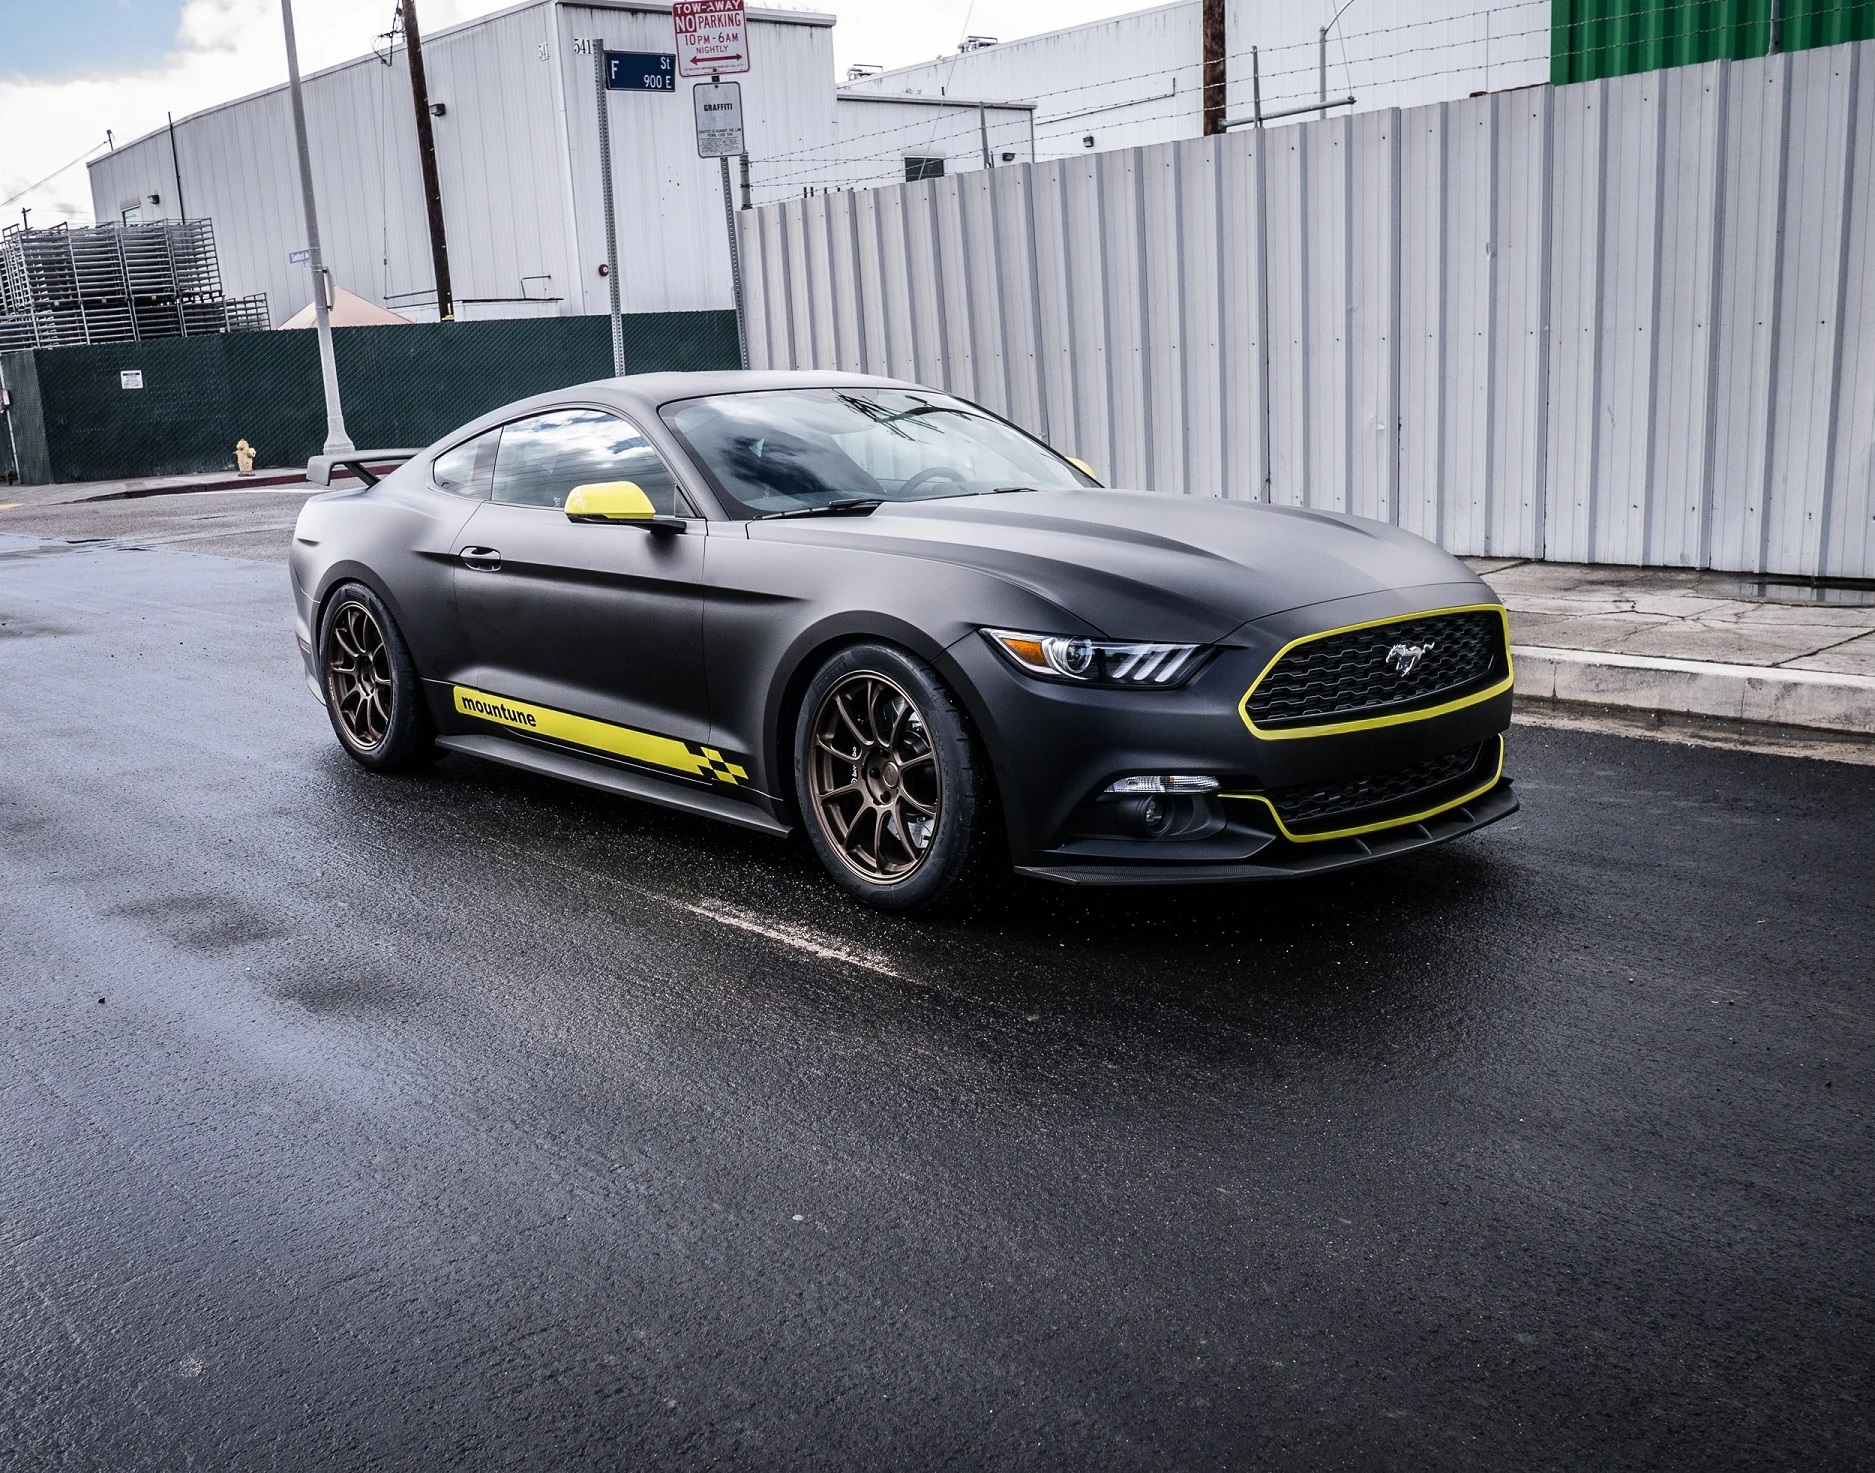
<point>337,441</point>
<point>1321,58</point>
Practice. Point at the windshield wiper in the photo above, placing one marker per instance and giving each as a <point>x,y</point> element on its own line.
<point>846,506</point>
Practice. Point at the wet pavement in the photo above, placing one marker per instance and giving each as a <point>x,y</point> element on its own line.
<point>466,1120</point>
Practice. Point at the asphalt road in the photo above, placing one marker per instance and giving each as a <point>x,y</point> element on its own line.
<point>468,1121</point>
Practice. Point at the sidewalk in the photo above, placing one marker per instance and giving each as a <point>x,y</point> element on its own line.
<point>1675,642</point>
<point>65,493</point>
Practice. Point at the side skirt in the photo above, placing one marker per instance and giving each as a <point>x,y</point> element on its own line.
<point>552,762</point>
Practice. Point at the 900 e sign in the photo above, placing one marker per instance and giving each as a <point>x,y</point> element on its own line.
<point>640,71</point>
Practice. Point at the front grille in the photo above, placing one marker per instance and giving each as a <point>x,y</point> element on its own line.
<point>1401,790</point>
<point>1347,676</point>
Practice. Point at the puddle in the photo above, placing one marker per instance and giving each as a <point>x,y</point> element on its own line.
<point>1842,593</point>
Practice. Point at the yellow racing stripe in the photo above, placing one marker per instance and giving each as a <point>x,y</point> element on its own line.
<point>597,736</point>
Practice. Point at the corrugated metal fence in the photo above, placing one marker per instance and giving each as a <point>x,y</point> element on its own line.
<point>1627,321</point>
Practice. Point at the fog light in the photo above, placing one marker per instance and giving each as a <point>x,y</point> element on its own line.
<point>1148,817</point>
<point>1185,784</point>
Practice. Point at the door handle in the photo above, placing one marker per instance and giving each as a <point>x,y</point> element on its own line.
<point>482,559</point>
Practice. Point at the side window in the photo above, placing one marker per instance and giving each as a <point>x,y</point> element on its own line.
<point>464,469</point>
<point>543,458</point>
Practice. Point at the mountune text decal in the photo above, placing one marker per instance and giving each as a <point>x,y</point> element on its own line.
<point>494,710</point>
<point>600,736</point>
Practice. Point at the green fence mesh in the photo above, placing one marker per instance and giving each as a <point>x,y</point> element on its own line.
<point>1590,39</point>
<point>402,385</point>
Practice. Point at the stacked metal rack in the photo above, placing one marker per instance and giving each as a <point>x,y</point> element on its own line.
<point>116,284</point>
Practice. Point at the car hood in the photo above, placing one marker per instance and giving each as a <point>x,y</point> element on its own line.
<point>1139,564</point>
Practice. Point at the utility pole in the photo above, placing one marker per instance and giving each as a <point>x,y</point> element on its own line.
<point>426,156</point>
<point>1215,72</point>
<point>337,441</point>
<point>611,219</point>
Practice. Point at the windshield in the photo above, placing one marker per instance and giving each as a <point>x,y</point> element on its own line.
<point>791,450</point>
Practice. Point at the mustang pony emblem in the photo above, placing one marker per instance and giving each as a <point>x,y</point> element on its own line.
<point>1403,659</point>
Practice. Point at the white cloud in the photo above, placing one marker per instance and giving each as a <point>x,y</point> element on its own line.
<point>223,49</point>
<point>227,48</point>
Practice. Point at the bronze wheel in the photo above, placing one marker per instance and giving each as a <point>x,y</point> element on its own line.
<point>358,676</point>
<point>873,777</point>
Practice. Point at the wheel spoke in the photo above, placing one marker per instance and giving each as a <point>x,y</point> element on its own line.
<point>857,829</point>
<point>898,727</point>
<point>846,716</point>
<point>875,693</point>
<point>899,835</point>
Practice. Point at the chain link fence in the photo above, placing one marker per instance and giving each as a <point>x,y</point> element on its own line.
<point>172,407</point>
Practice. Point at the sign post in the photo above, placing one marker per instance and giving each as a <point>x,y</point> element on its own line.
<point>713,42</point>
<point>599,70</point>
<point>719,136</point>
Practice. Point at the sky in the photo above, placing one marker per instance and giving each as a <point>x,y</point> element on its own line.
<point>72,69</point>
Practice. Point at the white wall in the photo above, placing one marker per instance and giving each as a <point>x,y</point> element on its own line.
<point>1136,79</point>
<point>876,135</point>
<point>495,155</point>
<point>1628,321</point>
<point>517,156</point>
<point>673,241</point>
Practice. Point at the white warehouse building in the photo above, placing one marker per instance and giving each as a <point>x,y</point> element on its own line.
<point>516,129</point>
<point>1138,79</point>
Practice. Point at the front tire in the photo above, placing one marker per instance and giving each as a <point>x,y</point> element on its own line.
<point>893,789</point>
<point>374,696</point>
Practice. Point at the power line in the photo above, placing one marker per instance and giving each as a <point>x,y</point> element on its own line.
<point>821,158</point>
<point>55,173</point>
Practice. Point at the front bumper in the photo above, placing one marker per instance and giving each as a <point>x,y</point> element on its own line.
<point>1056,747</point>
<point>1281,859</point>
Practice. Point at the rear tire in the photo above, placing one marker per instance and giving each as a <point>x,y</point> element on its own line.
<point>893,789</point>
<point>374,696</point>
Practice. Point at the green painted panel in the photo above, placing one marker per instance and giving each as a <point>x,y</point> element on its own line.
<point>23,454</point>
<point>1590,39</point>
<point>402,385</point>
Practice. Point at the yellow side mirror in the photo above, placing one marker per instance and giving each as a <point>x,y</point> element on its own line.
<point>609,501</point>
<point>1083,467</point>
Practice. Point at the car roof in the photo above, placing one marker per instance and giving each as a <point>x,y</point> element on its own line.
<point>656,389</point>
<point>643,394</point>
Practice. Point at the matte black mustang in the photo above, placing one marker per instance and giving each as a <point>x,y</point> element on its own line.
<point>890,617</point>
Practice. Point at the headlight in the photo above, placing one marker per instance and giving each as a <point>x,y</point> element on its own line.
<point>1098,661</point>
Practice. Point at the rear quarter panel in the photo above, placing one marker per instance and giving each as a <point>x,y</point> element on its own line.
<point>398,538</point>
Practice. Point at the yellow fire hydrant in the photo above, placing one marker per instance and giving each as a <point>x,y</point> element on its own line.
<point>244,458</point>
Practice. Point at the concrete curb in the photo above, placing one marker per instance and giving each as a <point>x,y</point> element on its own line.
<point>1814,699</point>
<point>258,480</point>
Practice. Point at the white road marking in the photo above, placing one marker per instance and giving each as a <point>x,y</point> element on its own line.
<point>786,933</point>
<point>799,937</point>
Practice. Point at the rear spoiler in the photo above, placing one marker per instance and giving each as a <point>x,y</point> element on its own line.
<point>367,465</point>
